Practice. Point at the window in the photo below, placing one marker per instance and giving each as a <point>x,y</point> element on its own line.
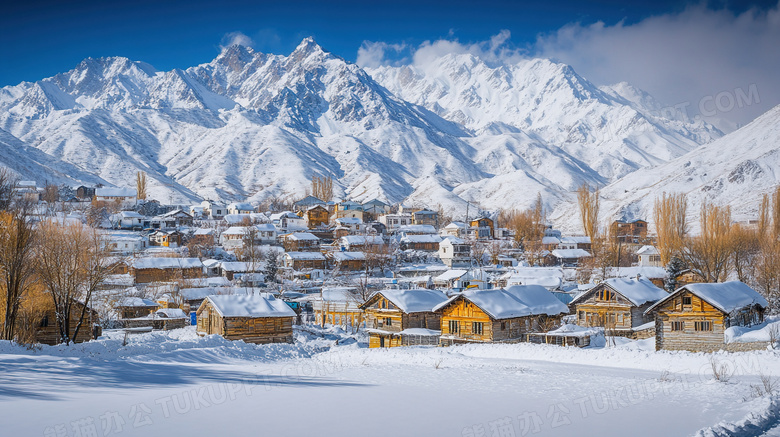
<point>605,295</point>
<point>702,326</point>
<point>453,326</point>
<point>503,326</point>
<point>678,326</point>
<point>388,321</point>
<point>45,321</point>
<point>686,300</point>
<point>582,315</point>
<point>620,318</point>
<point>476,328</point>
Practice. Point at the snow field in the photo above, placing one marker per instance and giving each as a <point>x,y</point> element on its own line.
<point>329,383</point>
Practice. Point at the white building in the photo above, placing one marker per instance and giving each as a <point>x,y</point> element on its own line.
<point>455,252</point>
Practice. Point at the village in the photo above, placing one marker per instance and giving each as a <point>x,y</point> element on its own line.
<point>403,275</point>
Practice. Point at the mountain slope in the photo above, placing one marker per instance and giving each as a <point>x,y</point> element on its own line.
<point>253,125</point>
<point>735,170</point>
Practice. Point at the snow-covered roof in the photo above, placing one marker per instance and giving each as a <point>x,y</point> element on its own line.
<point>266,227</point>
<point>648,250</point>
<point>338,294</point>
<point>453,240</point>
<point>349,220</point>
<point>115,192</point>
<point>418,229</point>
<point>570,253</point>
<point>550,240</point>
<point>725,296</point>
<point>240,266</point>
<point>362,240</point>
<point>305,256</point>
<point>577,239</point>
<point>234,219</point>
<point>450,275</point>
<point>171,313</point>
<point>130,301</point>
<point>241,206</point>
<point>638,291</point>
<point>456,225</point>
<point>643,271</point>
<point>126,215</point>
<point>414,301</point>
<point>299,236</point>
<point>236,230</point>
<point>516,301</point>
<point>250,306</point>
<point>204,231</point>
<point>425,238</point>
<point>167,263</point>
<point>348,256</point>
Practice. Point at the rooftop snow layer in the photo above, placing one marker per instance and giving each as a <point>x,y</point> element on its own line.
<point>250,306</point>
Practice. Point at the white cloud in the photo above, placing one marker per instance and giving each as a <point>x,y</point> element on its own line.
<point>685,59</point>
<point>235,38</point>
<point>374,54</point>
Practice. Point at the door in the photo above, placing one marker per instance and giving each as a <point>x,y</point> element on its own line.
<point>381,342</point>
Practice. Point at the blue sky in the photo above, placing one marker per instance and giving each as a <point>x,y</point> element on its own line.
<point>40,39</point>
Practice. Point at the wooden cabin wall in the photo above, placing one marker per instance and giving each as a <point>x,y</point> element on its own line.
<point>465,314</point>
<point>688,338</point>
<point>50,334</point>
<point>259,330</point>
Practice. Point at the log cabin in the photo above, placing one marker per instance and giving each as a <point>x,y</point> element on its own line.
<point>47,331</point>
<point>618,305</point>
<point>403,317</point>
<point>317,216</point>
<point>695,316</point>
<point>498,314</point>
<point>131,307</point>
<point>255,319</point>
<point>148,270</point>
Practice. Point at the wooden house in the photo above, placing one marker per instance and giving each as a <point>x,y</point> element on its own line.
<point>203,237</point>
<point>425,243</point>
<point>348,261</point>
<point>455,252</point>
<point>339,306</point>
<point>301,242</point>
<point>47,331</point>
<point>481,227</point>
<point>252,318</point>
<point>166,238</point>
<point>317,216</point>
<point>371,243</point>
<point>695,316</point>
<point>146,270</point>
<point>163,319</point>
<point>566,257</point>
<point>132,307</point>
<point>349,209</point>
<point>426,217</point>
<point>499,314</point>
<point>617,304</point>
<point>629,231</point>
<point>305,260</point>
<point>83,192</point>
<point>235,269</point>
<point>403,317</point>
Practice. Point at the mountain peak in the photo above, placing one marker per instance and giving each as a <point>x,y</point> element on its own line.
<point>235,56</point>
<point>308,46</point>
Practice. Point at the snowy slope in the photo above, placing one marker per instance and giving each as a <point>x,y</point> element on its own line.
<point>735,170</point>
<point>253,125</point>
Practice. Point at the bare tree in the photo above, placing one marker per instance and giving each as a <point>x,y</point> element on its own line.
<point>8,183</point>
<point>745,246</point>
<point>51,193</point>
<point>708,255</point>
<point>17,273</point>
<point>589,210</point>
<point>140,184</point>
<point>322,188</point>
<point>71,264</point>
<point>670,216</point>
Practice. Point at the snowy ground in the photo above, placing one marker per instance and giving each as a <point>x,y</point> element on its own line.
<point>179,384</point>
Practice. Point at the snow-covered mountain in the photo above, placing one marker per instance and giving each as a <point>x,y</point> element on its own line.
<point>253,125</point>
<point>735,170</point>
